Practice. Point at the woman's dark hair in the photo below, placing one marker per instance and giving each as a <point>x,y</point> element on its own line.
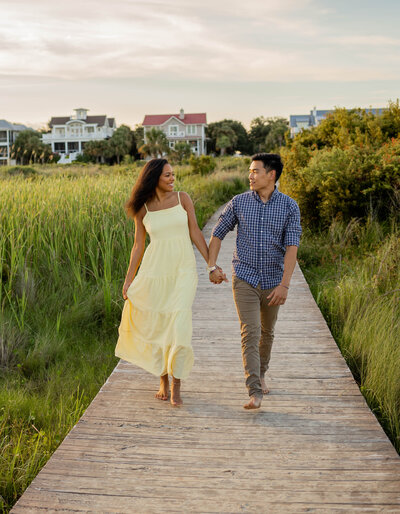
<point>271,161</point>
<point>144,188</point>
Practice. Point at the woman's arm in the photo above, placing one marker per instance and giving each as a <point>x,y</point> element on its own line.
<point>137,251</point>
<point>196,235</point>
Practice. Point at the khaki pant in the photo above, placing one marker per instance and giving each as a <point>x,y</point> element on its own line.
<point>257,322</point>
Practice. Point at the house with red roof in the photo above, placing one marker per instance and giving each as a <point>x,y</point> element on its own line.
<point>188,128</point>
<point>68,134</point>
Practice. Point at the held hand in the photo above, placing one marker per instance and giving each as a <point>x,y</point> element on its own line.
<point>278,296</point>
<point>217,276</point>
<point>125,288</point>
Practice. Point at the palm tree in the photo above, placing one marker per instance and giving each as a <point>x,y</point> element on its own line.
<point>156,144</point>
<point>226,138</point>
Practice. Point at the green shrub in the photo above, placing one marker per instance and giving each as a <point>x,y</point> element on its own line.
<point>203,165</point>
<point>21,170</point>
<point>234,163</point>
<point>341,183</point>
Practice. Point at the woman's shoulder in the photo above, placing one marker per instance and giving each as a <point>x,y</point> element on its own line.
<point>141,213</point>
<point>184,197</point>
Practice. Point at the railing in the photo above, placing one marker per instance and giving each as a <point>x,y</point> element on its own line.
<point>68,135</point>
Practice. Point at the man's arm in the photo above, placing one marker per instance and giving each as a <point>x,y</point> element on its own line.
<point>226,222</point>
<point>279,294</point>
<point>217,276</point>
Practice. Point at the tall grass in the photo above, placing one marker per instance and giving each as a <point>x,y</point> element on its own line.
<point>64,249</point>
<point>354,273</point>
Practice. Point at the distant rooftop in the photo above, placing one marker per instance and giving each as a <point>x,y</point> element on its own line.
<point>316,115</point>
<point>187,119</point>
<point>6,125</point>
<point>62,120</point>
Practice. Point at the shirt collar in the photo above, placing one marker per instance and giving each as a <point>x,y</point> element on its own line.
<point>275,193</point>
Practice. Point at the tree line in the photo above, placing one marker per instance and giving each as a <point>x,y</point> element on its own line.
<point>223,138</point>
<point>346,167</point>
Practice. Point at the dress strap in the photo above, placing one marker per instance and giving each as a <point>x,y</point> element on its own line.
<point>147,210</point>
<point>179,198</point>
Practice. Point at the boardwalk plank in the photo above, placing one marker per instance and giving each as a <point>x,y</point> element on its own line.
<point>313,447</point>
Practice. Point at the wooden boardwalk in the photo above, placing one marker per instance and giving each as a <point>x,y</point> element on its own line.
<point>314,446</point>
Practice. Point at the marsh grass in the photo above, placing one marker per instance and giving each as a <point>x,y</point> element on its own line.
<point>64,249</point>
<point>354,274</point>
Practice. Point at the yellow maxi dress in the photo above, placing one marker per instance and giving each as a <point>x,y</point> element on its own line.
<point>156,325</point>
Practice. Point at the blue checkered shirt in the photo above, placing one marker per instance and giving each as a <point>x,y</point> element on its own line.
<point>264,230</point>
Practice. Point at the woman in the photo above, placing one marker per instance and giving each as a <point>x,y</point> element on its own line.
<point>156,325</point>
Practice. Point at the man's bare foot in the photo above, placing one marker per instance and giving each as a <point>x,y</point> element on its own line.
<point>176,399</point>
<point>264,387</point>
<point>164,388</point>
<point>254,403</point>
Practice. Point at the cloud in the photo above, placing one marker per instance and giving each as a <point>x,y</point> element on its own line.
<point>218,40</point>
<point>372,40</point>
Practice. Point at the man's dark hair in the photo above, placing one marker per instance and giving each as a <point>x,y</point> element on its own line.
<point>271,161</point>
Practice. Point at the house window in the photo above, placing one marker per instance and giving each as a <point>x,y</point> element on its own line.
<point>90,130</point>
<point>172,144</point>
<point>191,129</point>
<point>173,130</point>
<point>60,131</point>
<point>73,146</point>
<point>59,147</point>
<point>3,136</point>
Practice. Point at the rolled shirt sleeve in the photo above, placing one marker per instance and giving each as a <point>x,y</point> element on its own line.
<point>226,222</point>
<point>293,226</point>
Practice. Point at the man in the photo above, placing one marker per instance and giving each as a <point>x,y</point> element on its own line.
<point>268,235</point>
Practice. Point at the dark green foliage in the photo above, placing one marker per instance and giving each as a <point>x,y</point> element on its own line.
<point>156,144</point>
<point>226,136</point>
<point>28,148</point>
<point>203,165</point>
<point>21,170</point>
<point>347,167</point>
<point>267,134</point>
<point>121,143</point>
<point>180,153</point>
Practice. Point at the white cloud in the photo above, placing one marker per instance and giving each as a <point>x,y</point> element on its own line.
<point>217,40</point>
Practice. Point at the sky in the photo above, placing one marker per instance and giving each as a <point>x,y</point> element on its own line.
<point>234,59</point>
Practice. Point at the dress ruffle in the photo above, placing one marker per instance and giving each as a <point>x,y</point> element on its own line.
<point>156,325</point>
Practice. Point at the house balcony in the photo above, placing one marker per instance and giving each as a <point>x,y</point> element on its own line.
<point>96,136</point>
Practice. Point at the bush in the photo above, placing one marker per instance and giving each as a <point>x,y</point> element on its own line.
<point>21,170</point>
<point>203,165</point>
<point>345,183</point>
<point>234,163</point>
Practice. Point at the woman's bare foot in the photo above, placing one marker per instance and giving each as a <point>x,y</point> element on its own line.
<point>254,403</point>
<point>164,388</point>
<point>176,399</point>
<point>264,387</point>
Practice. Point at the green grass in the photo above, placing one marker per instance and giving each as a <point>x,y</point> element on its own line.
<point>65,243</point>
<point>354,273</point>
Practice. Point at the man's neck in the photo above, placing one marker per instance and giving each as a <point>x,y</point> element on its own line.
<point>266,193</point>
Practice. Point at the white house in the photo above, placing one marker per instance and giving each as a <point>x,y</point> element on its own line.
<point>70,133</point>
<point>305,121</point>
<point>188,128</point>
<point>8,134</point>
